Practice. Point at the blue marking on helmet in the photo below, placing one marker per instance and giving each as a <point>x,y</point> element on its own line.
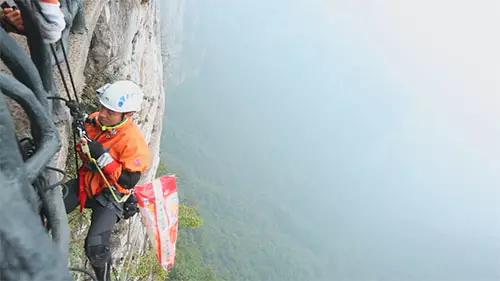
<point>121,101</point>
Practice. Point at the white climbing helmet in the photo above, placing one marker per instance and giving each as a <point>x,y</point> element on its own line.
<point>121,96</point>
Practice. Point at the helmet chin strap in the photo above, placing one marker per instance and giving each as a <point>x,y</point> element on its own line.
<point>116,126</point>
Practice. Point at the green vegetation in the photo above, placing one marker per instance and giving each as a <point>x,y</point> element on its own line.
<point>189,217</point>
<point>162,169</point>
<point>70,161</point>
<point>239,239</point>
<point>190,264</point>
<point>148,265</point>
<point>189,261</point>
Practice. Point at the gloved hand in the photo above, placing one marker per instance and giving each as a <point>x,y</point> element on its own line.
<point>104,160</point>
<point>130,207</point>
<point>13,18</point>
<point>96,149</point>
<point>74,108</point>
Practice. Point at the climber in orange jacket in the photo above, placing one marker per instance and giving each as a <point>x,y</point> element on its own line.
<point>116,156</point>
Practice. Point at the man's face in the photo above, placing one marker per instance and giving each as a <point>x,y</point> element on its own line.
<point>108,117</point>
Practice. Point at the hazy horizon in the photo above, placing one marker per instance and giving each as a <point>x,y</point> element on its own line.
<point>363,133</point>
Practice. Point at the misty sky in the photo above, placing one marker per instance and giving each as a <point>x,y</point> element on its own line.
<point>372,124</point>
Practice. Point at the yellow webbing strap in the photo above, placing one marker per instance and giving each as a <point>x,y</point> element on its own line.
<point>86,151</point>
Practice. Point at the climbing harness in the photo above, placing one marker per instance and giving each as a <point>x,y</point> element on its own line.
<point>85,150</point>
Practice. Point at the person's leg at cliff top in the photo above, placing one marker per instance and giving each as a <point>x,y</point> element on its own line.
<point>51,21</point>
<point>122,155</point>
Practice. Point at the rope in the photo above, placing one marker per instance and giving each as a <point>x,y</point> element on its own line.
<point>69,71</point>
<point>61,182</point>
<point>86,151</point>
<point>67,92</point>
<point>60,70</point>
<point>65,190</point>
<point>57,98</point>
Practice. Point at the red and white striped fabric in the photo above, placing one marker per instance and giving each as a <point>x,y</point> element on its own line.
<point>159,207</point>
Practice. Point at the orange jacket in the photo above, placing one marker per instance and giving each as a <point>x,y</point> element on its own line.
<point>126,145</point>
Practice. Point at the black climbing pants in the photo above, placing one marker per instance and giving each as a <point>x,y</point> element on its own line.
<point>105,214</point>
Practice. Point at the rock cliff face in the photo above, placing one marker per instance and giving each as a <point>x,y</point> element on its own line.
<point>123,42</point>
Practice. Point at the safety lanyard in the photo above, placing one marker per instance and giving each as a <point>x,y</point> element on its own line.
<point>86,150</point>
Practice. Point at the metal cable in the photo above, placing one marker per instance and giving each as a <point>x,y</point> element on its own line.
<point>61,182</point>
<point>69,71</point>
<point>67,92</point>
<point>60,71</point>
